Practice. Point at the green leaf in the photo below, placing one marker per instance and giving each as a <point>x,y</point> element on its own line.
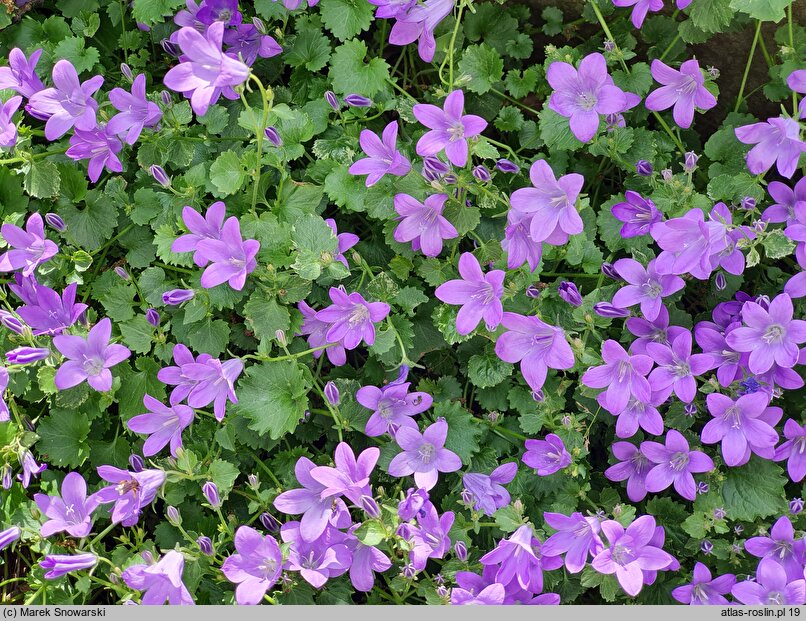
<point>265,316</point>
<point>556,133</point>
<point>316,245</point>
<point>137,334</point>
<point>311,50</point>
<point>486,370</point>
<point>151,11</point>
<point>73,50</point>
<point>42,179</point>
<point>712,16</point>
<point>508,519</point>
<point>764,10</point>
<point>346,18</point>
<point>274,397</point>
<point>481,67</point>
<point>350,74</point>
<point>755,490</point>
<point>223,474</point>
<point>409,298</point>
<point>463,432</point>
<point>210,337</point>
<point>777,245</point>
<point>63,437</point>
<point>227,173</point>
<point>371,533</point>
<point>519,84</point>
<point>92,226</point>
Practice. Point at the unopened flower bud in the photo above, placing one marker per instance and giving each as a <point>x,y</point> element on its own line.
<point>409,571</point>
<point>460,549</point>
<point>738,529</point>
<point>210,491</point>
<point>690,161</point>
<point>147,557</point>
<point>177,296</point>
<point>748,203</point>
<point>370,507</point>
<point>330,98</point>
<point>644,168</point>
<point>713,72</point>
<point>435,165</point>
<point>253,482</point>
<point>567,421</point>
<point>332,394</point>
<point>538,396</point>
<point>442,591</point>
<point>795,506</point>
<point>450,179</point>
<point>122,273</point>
<point>606,309</point>
<point>690,409</point>
<point>173,515</point>
<point>507,166</point>
<point>467,497</point>
<point>281,338</point>
<point>609,45</point>
<point>260,25</point>
<point>160,176</point>
<point>27,355</point>
<point>55,222</point>
<point>153,317</point>
<point>170,48</point>
<point>702,487</point>
<point>706,546</point>
<point>720,281</point>
<point>273,136</point>
<point>610,271</point>
<point>270,523</point>
<point>11,322</point>
<point>532,291</point>
<point>357,101</point>
<point>7,477</point>
<point>666,174</point>
<point>166,98</point>
<point>482,174</point>
<point>126,71</point>
<point>493,416</point>
<point>568,292</point>
<point>205,545</point>
<point>720,513</point>
<point>136,463</point>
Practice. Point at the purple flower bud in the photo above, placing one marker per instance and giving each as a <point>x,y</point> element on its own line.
<point>606,309</point>
<point>332,394</point>
<point>409,571</point>
<point>748,203</point>
<point>460,550</point>
<point>210,491</point>
<point>690,409</point>
<point>532,291</point>
<point>566,421</point>
<point>435,165</point>
<point>126,71</point>
<point>759,226</point>
<point>260,25</point>
<point>690,161</point>
<point>370,507</point>
<point>442,591</point>
<point>796,506</point>
<point>402,374</point>
<point>644,168</point>
<point>170,48</point>
<point>253,481</point>
<point>306,416</point>
<point>706,546</point>
<point>666,174</point>
<point>430,175</point>
<point>122,273</point>
<point>702,487</point>
<point>538,396</point>
<point>55,222</point>
<point>273,136</point>
<point>153,317</point>
<point>763,301</point>
<point>173,515</point>
<point>404,531</point>
<point>160,176</point>
<point>11,322</point>
<point>609,45</point>
<point>610,271</point>
<point>166,98</point>
<point>568,291</point>
<point>720,513</point>
<point>738,529</point>
<point>27,355</point>
<point>450,179</point>
<point>713,71</point>
<point>493,416</point>
<point>482,174</point>
<point>136,463</point>
<point>720,281</point>
<point>177,296</point>
<point>7,480</point>
<point>439,579</point>
<point>270,523</point>
<point>507,166</point>
<point>205,545</point>
<point>330,97</point>
<point>357,101</point>
<point>147,557</point>
<point>281,338</point>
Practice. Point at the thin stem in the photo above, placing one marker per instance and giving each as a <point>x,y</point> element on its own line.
<point>267,97</point>
<point>671,45</point>
<point>102,534</point>
<point>609,34</point>
<point>747,66</point>
<point>453,42</point>
<point>672,135</point>
<point>792,46</point>
<point>286,357</point>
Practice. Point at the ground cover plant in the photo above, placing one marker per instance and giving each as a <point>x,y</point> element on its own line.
<point>402,302</point>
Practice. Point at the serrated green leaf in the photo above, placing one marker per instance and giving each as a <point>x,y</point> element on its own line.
<point>63,437</point>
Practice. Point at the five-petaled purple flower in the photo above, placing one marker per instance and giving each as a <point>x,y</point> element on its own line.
<point>350,477</point>
<point>675,464</point>
<point>794,450</point>
<point>351,318</point>
<point>536,345</point>
<point>160,582</point>
<point>677,367</point>
<point>631,553</point>
<point>130,491</point>
<point>317,561</point>
<point>423,224</point>
<point>231,258</point>
<point>30,247</point>
<point>163,424</point>
<point>645,287</point>
<point>70,512</point>
<point>777,142</point>
<point>744,426</point>
<point>583,94</point>
<point>255,567</point>
<point>450,128</point>
<point>384,158</point>
<point>89,359</point>
<point>100,147</point>
<point>781,546</point>
<point>633,467</point>
<point>201,227</point>
<point>546,456</point>
<point>134,111</point>
<point>20,75</point>
<point>345,240</point>
<point>68,104</point>
<point>46,312</point>
<point>682,88</point>
<point>552,203</point>
<point>622,374</point>
<point>430,538</point>
<point>424,454</point>
<point>705,590</point>
<point>8,131</point>
<point>478,294</point>
<point>392,406</point>
<point>772,587</point>
<point>521,559</point>
<point>638,214</point>
<point>577,537</point>
<point>488,491</point>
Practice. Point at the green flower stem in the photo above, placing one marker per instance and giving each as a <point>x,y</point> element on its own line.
<point>792,46</point>
<point>286,357</point>
<point>501,145</point>
<point>266,469</point>
<point>739,99</point>
<point>672,135</point>
<point>515,101</point>
<point>609,34</point>
<point>102,534</point>
<point>34,156</point>
<point>113,240</point>
<point>267,97</point>
<point>669,48</point>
